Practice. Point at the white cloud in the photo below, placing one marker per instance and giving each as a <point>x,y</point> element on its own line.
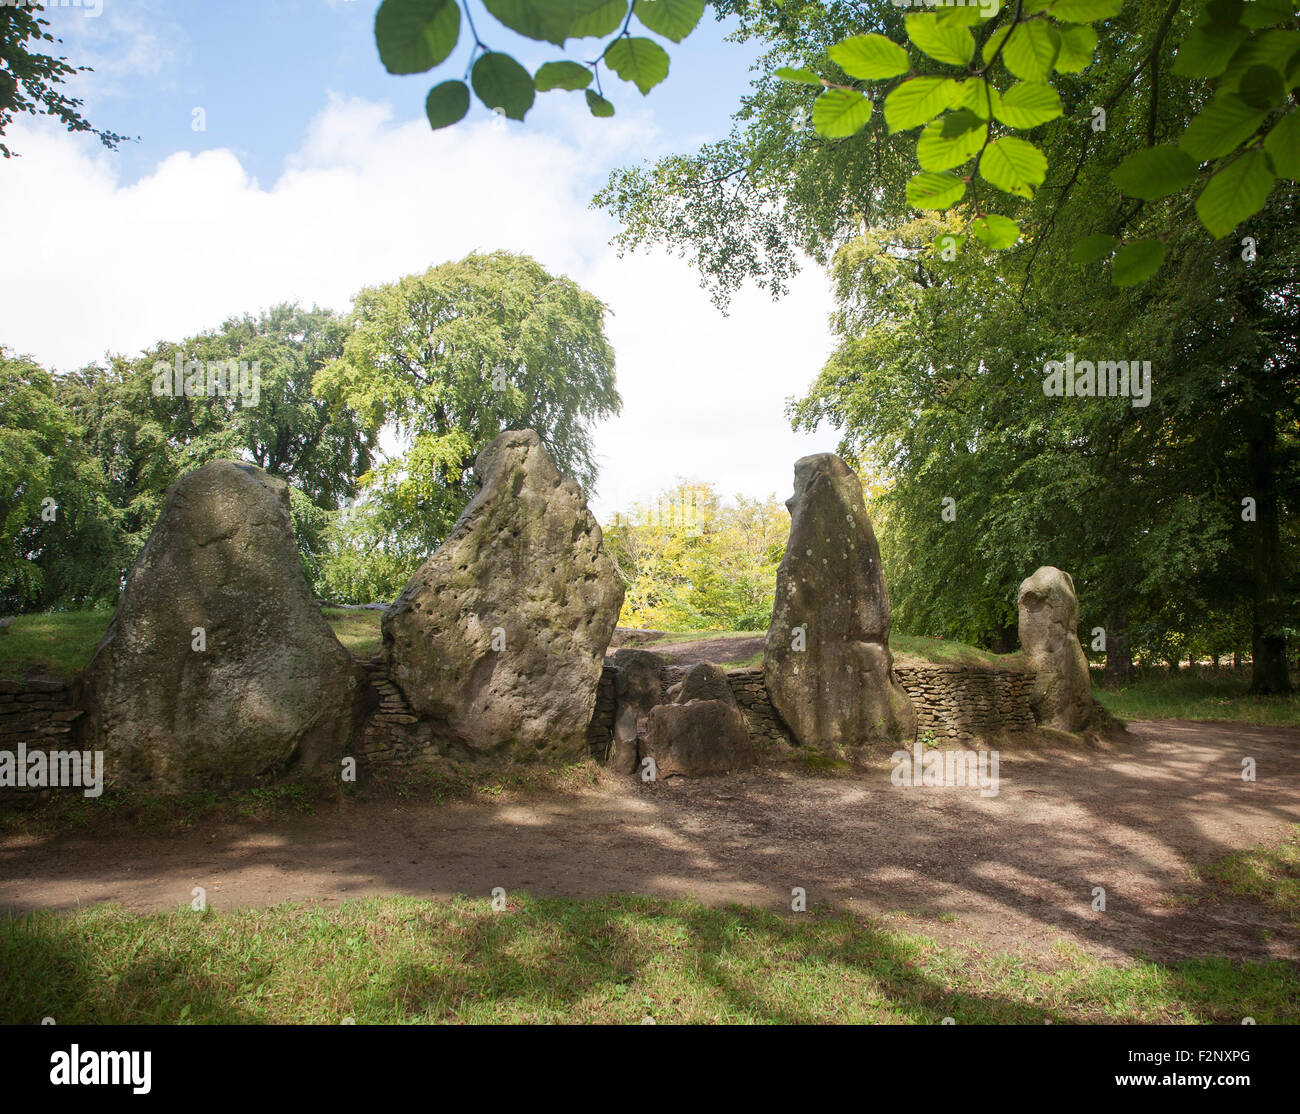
<point>109,266</point>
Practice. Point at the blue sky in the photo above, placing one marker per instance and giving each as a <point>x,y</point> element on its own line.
<point>259,68</point>
<point>316,174</point>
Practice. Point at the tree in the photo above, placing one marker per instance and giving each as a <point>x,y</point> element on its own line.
<point>452,357</point>
<point>146,425</point>
<point>691,562</point>
<point>56,538</point>
<point>29,79</point>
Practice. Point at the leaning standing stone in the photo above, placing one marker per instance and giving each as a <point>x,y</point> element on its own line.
<point>500,636</point>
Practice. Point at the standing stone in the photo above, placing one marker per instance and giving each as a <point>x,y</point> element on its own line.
<point>638,689</point>
<point>500,636</point>
<point>1049,620</point>
<point>703,733</point>
<point>826,663</point>
<point>270,687</point>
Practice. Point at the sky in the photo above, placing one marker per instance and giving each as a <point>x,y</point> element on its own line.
<point>315,174</point>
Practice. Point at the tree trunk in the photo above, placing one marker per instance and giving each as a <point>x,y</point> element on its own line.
<point>1269,674</point>
<point>1119,651</point>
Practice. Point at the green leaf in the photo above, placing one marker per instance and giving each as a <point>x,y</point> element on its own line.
<point>802,76</point>
<point>1274,49</point>
<point>596,18</point>
<point>1220,127</point>
<point>1014,165</point>
<point>839,113</point>
<point>673,19</point>
<point>996,232</point>
<point>638,60</point>
<point>447,103</point>
<point>544,20</point>
<point>1031,50</point>
<point>958,123</point>
<point>1084,11</point>
<point>1266,13</point>
<point>994,41</point>
<point>1154,172</point>
<point>1092,248</point>
<point>967,15</point>
<point>599,105</point>
<point>935,191</point>
<point>918,101</point>
<point>503,83</point>
<point>1137,262</point>
<point>870,57</point>
<point>561,75</point>
<point>936,151</point>
<point>947,242</point>
<point>944,42</point>
<point>1283,146</point>
<point>1078,45</point>
<point>1224,13</point>
<point>415,35</point>
<point>976,95</point>
<point>1028,104</point>
<point>1262,87</point>
<point>1206,53</point>
<point>1236,192</point>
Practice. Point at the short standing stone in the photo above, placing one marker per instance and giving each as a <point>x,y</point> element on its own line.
<point>826,663</point>
<point>1049,621</point>
<point>218,668</point>
<point>500,636</point>
<point>704,734</point>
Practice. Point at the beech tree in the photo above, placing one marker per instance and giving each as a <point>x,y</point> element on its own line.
<point>452,357</point>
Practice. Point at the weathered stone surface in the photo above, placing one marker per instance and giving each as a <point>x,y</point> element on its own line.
<point>839,692</point>
<point>501,634</point>
<point>638,689</point>
<point>273,687</point>
<point>700,736</point>
<point>1049,620</point>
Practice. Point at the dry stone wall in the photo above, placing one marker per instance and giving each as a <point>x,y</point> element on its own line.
<point>955,702</point>
<point>967,703</point>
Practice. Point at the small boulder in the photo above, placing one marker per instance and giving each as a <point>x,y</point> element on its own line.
<point>704,734</point>
<point>826,662</point>
<point>218,669</point>
<point>500,636</point>
<point>638,689</point>
<point>1049,621</point>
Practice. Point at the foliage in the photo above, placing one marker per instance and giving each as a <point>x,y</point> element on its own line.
<point>414,36</point>
<point>452,357</point>
<point>1035,127</point>
<point>29,79</point>
<point>690,562</point>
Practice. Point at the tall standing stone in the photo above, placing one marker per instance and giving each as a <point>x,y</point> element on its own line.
<point>500,636</point>
<point>1049,621</point>
<point>218,668</point>
<point>826,663</point>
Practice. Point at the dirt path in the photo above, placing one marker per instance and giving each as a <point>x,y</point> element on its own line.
<point>718,650</point>
<point>1015,872</point>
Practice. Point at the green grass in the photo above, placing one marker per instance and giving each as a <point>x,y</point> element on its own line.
<point>359,631</point>
<point>54,645</point>
<point>946,652</point>
<point>617,959</point>
<point>1203,695</point>
<point>1271,875</point>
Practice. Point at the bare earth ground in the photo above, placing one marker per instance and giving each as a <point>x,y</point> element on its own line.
<point>1014,872</point>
